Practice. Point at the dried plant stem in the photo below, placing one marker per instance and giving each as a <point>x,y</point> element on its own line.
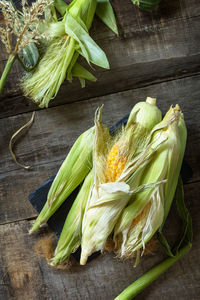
<point>6,71</point>
<point>12,138</point>
<point>26,26</point>
<point>9,38</point>
<point>20,38</point>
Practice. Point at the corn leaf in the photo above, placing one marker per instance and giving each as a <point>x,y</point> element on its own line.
<point>61,6</point>
<point>83,11</point>
<point>80,72</point>
<point>105,12</point>
<point>186,236</point>
<point>88,48</point>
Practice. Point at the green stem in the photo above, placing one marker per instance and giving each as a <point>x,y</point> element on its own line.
<point>61,6</point>
<point>6,71</point>
<point>145,280</point>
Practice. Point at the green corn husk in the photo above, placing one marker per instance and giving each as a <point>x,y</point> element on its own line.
<point>183,245</point>
<point>110,195</point>
<point>68,39</point>
<point>60,6</point>
<point>72,172</point>
<point>143,109</point>
<point>148,210</point>
<point>70,238</point>
<point>104,11</point>
<point>172,181</point>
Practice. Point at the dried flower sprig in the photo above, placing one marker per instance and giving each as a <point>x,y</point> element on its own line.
<point>22,24</point>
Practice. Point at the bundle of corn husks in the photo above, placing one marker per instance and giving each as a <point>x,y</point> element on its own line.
<point>128,183</point>
<point>67,38</point>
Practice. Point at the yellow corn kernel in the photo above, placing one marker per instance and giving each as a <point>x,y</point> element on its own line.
<point>115,164</point>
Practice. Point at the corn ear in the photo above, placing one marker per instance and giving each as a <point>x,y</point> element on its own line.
<point>114,163</point>
<point>67,39</point>
<point>147,211</point>
<point>70,237</point>
<point>72,172</point>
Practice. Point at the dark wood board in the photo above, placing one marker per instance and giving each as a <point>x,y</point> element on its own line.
<point>150,48</point>
<point>156,54</point>
<point>54,131</point>
<point>25,275</point>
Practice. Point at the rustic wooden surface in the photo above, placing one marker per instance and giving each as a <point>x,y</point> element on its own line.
<point>155,55</point>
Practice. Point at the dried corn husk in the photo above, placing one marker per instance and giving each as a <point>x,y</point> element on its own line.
<point>117,165</point>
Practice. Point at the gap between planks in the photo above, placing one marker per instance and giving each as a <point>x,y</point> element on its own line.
<point>157,82</point>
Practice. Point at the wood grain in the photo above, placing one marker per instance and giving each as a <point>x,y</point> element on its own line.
<point>156,54</point>
<point>150,48</point>
<point>54,131</point>
<point>24,275</point>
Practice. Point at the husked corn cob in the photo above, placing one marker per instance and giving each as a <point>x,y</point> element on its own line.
<point>117,165</point>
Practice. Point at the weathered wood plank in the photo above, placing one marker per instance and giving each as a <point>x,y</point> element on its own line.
<point>24,275</point>
<point>54,131</point>
<point>150,48</point>
<point>129,16</point>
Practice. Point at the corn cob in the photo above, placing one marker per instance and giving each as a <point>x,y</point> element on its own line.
<point>148,210</point>
<point>72,172</point>
<point>115,162</point>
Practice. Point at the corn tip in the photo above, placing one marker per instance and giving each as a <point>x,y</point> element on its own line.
<point>52,263</point>
<point>83,259</point>
<point>33,229</point>
<point>177,108</point>
<point>151,101</point>
<point>30,231</point>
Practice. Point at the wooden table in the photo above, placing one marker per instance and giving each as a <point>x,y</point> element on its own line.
<point>155,55</point>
